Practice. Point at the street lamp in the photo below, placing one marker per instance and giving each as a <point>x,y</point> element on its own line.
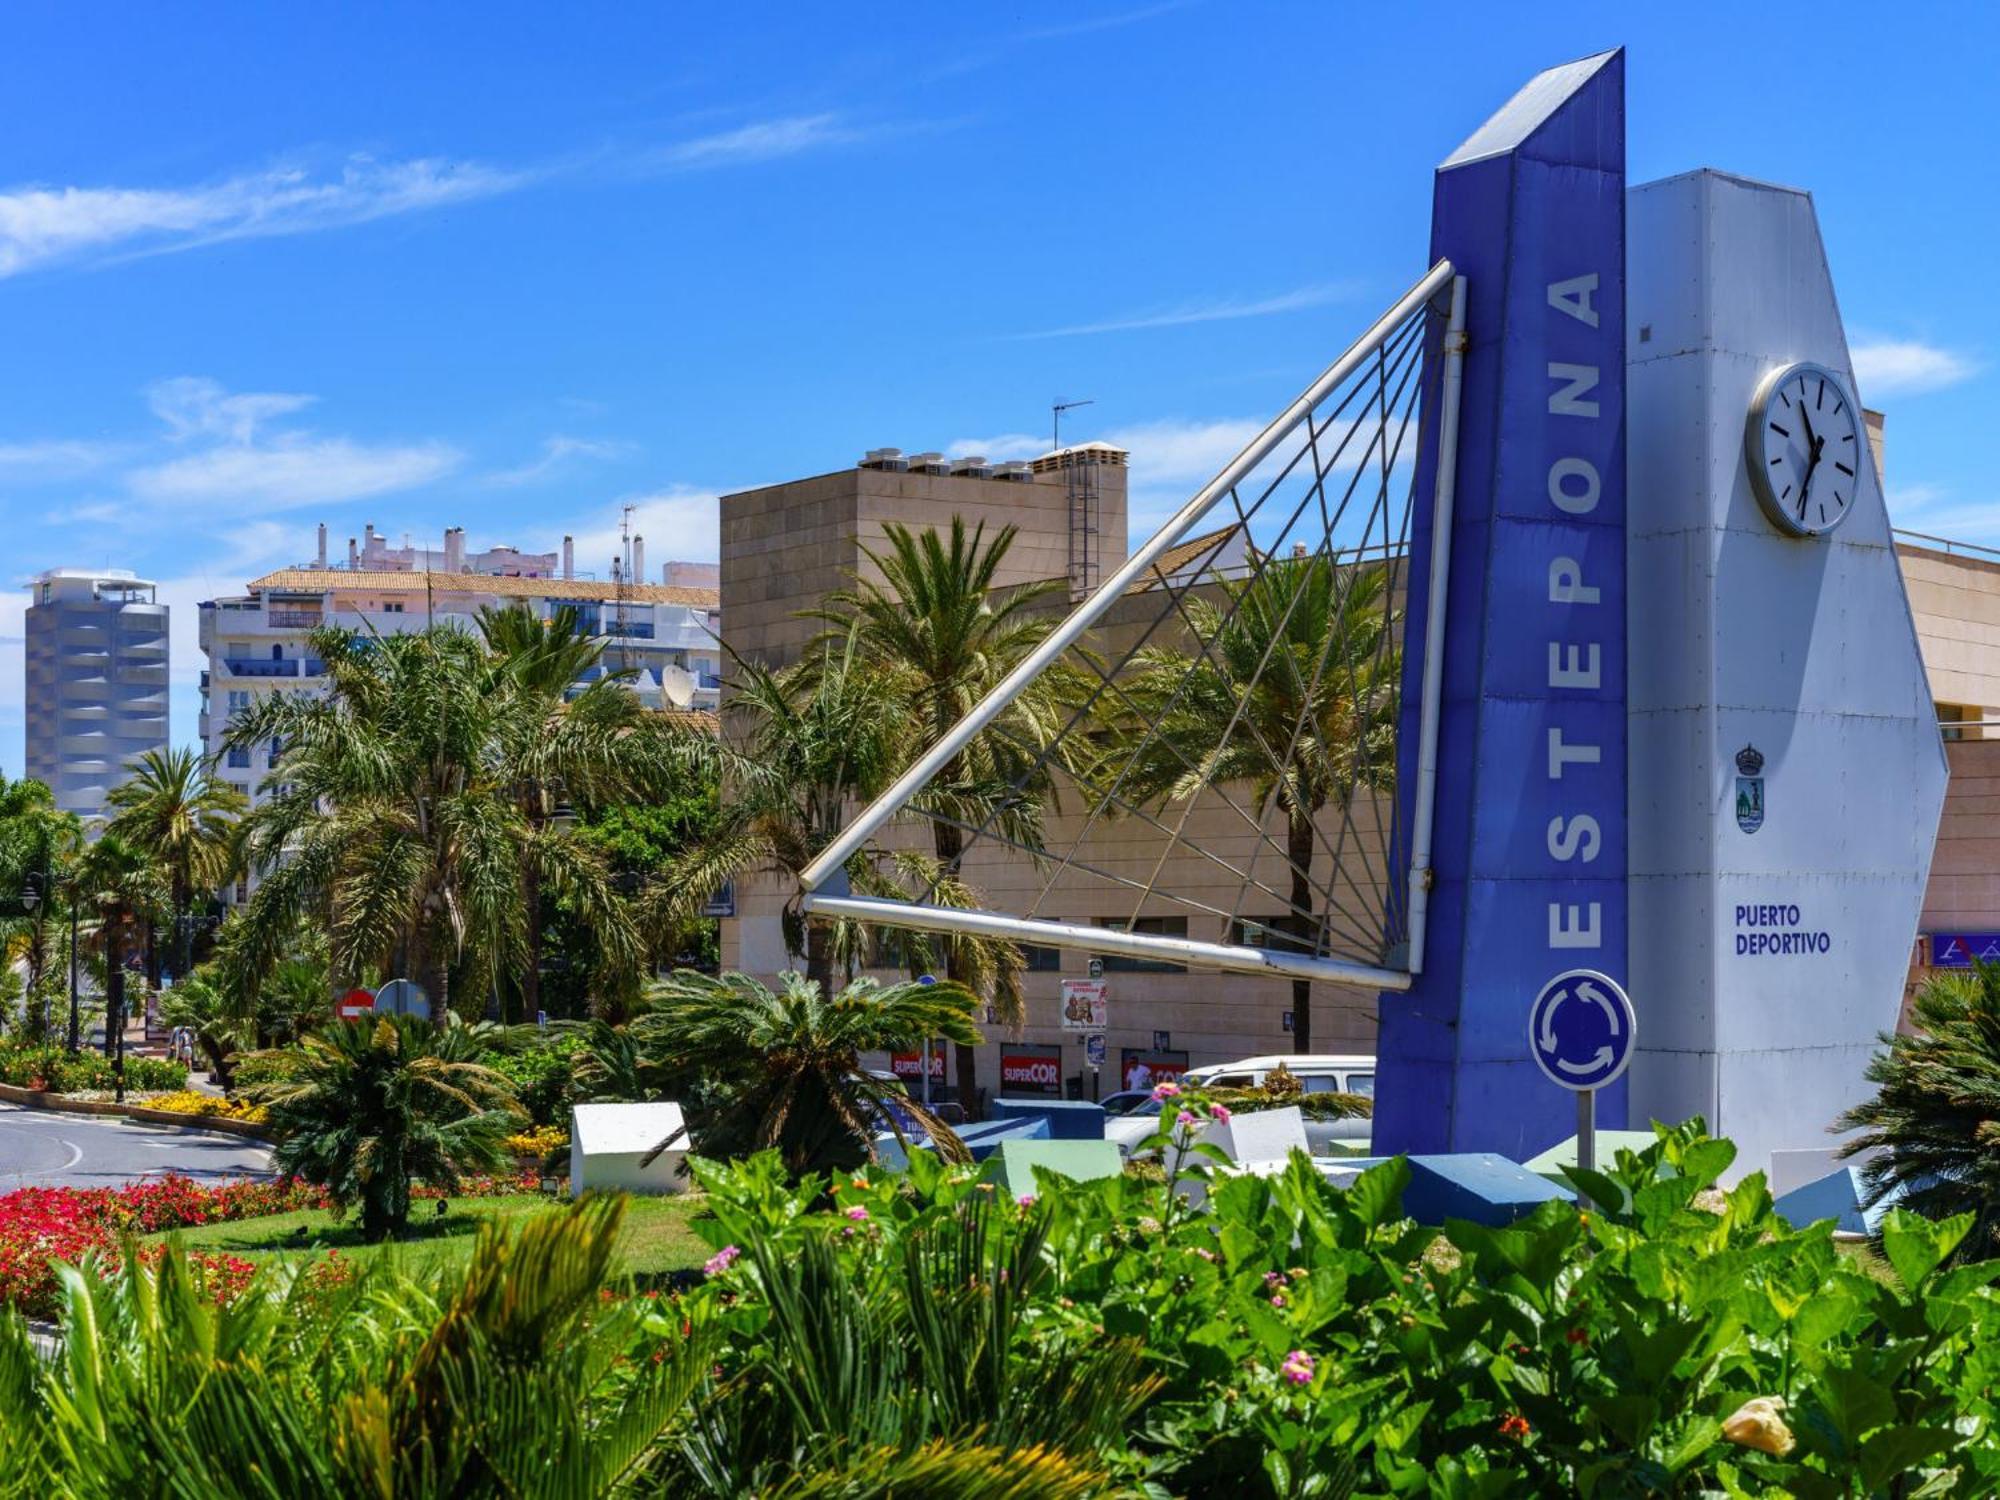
<point>31,897</point>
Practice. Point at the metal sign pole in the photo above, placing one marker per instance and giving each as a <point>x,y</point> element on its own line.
<point>1586,1133</point>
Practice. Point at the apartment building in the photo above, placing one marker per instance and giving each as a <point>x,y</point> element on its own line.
<point>666,634</point>
<point>96,682</point>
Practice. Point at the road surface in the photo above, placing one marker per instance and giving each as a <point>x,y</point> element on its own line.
<point>42,1149</point>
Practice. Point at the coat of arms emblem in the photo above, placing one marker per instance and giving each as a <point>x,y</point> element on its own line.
<point>1749,789</point>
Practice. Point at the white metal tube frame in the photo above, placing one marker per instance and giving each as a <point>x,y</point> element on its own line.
<point>1224,956</point>
<point>1438,587</point>
<point>1156,946</point>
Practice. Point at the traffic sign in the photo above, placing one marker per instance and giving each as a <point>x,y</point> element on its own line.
<point>1581,1030</point>
<point>354,1004</point>
<point>403,997</point>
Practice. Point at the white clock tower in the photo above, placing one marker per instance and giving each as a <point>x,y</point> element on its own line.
<point>1786,771</point>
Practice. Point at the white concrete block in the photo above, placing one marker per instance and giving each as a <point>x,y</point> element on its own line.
<point>608,1141</point>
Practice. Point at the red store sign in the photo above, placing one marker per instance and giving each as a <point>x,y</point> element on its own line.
<point>1026,1068</point>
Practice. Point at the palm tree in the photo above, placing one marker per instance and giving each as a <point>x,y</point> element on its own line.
<point>120,883</point>
<point>1934,1124</point>
<point>571,745</point>
<point>211,1010</point>
<point>188,821</point>
<point>1294,694</point>
<point>399,821</point>
<point>374,1107</point>
<point>945,634</point>
<point>38,848</point>
<point>785,1064</point>
<point>801,744</point>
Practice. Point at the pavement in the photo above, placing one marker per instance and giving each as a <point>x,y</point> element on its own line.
<point>39,1148</point>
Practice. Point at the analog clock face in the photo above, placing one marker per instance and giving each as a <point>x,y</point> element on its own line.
<point>1806,447</point>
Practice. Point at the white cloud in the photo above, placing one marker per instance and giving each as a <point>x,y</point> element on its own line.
<point>1215,311</point>
<point>53,458</point>
<point>292,470</point>
<point>556,451</point>
<point>763,140</point>
<point>1907,367</point>
<point>239,464</point>
<point>42,225</point>
<point>192,405</point>
<point>680,524</point>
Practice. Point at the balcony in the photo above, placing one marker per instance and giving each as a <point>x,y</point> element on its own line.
<point>314,667</point>
<point>239,667</point>
<point>296,619</point>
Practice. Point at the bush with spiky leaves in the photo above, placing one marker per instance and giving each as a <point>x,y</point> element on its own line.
<point>374,1107</point>
<point>1934,1122</point>
<point>782,1068</point>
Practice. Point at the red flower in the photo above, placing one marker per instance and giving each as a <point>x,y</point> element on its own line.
<point>1514,1425</point>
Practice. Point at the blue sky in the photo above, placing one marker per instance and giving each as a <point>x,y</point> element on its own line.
<point>514,267</point>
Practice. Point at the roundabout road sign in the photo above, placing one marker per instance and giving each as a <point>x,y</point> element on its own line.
<point>1581,1030</point>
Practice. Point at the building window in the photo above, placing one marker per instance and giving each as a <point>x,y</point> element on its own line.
<point>238,759</point>
<point>1116,963</point>
<point>392,609</point>
<point>239,700</point>
<point>1953,717</point>
<point>1040,960</point>
<point>1261,932</point>
<point>277,653</point>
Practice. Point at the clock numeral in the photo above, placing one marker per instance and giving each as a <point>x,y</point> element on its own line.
<point>1848,438</point>
<point>1788,493</point>
<point>1845,470</point>
<point>1822,396</point>
<point>1779,430</point>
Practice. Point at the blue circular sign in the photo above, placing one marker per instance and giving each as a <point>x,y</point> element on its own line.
<point>1581,1030</point>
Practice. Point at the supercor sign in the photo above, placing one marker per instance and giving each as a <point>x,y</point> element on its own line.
<point>1031,1069</point>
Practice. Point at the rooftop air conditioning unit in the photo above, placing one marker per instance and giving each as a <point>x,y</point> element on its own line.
<point>1016,469</point>
<point>974,465</point>
<point>884,458</point>
<point>929,463</point>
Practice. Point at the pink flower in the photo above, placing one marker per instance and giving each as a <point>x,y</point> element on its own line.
<point>1298,1367</point>
<point>1219,1113</point>
<point>1184,1119</point>
<point>1274,1278</point>
<point>1166,1090</point>
<point>1026,1200</point>
<point>858,1214</point>
<point>1277,1299</point>
<point>721,1260</point>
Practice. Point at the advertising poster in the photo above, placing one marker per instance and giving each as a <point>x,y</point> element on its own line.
<point>1083,1005</point>
<point>1032,1069</point>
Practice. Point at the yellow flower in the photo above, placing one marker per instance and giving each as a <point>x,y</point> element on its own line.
<point>1759,1424</point>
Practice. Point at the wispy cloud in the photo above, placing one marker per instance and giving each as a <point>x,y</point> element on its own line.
<point>763,140</point>
<point>1101,23</point>
<point>43,225</point>
<point>1908,367</point>
<point>681,523</point>
<point>54,458</point>
<point>556,452</point>
<point>1216,311</point>
<point>239,462</point>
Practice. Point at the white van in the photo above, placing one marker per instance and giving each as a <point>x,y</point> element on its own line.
<point>1317,1073</point>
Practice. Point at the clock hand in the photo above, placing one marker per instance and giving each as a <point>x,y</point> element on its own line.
<point>1805,485</point>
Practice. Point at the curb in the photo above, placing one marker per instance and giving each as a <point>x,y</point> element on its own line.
<point>57,1104</point>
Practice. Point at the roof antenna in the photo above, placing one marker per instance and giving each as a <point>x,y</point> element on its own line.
<point>1056,409</point>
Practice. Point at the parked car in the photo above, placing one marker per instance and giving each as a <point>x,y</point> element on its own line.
<point>1318,1073</point>
<point>1125,1101</point>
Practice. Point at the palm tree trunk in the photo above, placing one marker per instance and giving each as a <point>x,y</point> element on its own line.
<point>1299,852</point>
<point>152,955</point>
<point>531,981</point>
<point>819,955</point>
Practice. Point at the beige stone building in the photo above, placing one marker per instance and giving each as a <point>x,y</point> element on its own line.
<point>785,547</point>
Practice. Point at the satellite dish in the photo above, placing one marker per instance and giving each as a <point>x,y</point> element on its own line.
<point>677,686</point>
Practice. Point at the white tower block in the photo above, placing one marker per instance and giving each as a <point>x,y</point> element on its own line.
<point>1764,963</point>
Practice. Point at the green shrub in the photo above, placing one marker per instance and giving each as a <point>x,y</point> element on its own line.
<point>52,1067</point>
<point>541,1077</point>
<point>254,1069</point>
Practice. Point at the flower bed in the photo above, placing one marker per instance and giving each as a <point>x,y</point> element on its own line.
<point>206,1106</point>
<point>537,1142</point>
<point>40,1227</point>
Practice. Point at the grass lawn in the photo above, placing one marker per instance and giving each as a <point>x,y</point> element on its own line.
<point>655,1236</point>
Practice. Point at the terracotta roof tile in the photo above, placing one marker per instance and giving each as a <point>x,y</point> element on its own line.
<point>384,581</point>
